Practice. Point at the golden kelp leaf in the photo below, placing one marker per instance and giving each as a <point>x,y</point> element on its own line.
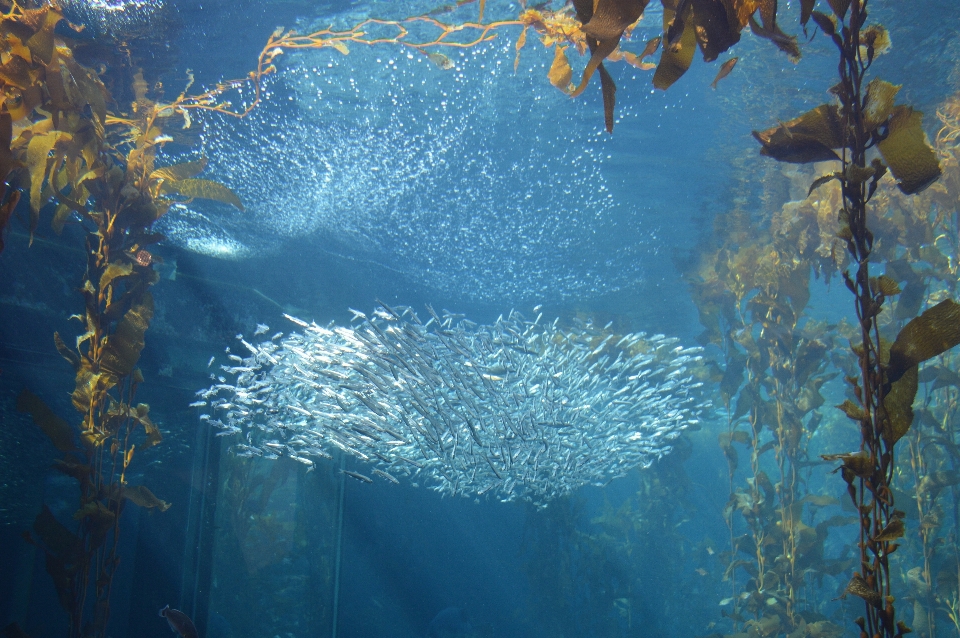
<point>908,154</point>
<point>675,60</point>
<point>141,414</point>
<point>715,34</point>
<point>89,385</point>
<point>38,152</point>
<point>177,172</point>
<point>340,46</point>
<point>41,43</point>
<point>204,189</point>
<point>113,271</point>
<point>560,72</point>
<point>122,350</point>
<point>874,41</point>
<point>72,357</point>
<point>58,430</point>
<point>879,105</point>
<point>743,9</point>
<point>140,495</point>
<point>859,463</point>
<point>887,286</point>
<point>441,61</point>
<point>521,42</point>
<point>892,531</point>
<point>808,138</point>
<point>858,587</point>
<point>898,403</point>
<point>924,337</point>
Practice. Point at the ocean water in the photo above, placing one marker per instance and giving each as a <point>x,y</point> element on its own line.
<point>544,487</point>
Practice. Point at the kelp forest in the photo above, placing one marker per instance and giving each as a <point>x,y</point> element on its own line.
<point>839,430</point>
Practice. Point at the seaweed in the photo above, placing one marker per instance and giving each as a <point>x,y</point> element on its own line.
<point>79,163</point>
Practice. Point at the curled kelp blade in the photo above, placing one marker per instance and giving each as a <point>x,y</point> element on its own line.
<point>812,137</point>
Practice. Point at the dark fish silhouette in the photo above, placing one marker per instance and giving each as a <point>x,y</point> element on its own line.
<point>179,622</point>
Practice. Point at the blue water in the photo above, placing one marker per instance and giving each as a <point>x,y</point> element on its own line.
<point>478,189</point>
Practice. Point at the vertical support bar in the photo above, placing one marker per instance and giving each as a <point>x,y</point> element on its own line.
<point>336,569</point>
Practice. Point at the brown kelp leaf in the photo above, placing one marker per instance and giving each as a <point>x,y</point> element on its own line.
<point>907,152</point>
<point>177,172</point>
<point>611,18</point>
<point>521,42</point>
<point>852,410</point>
<point>204,189</point>
<point>859,463</point>
<point>72,357</point>
<point>893,530</point>
<point>560,72</point>
<point>714,31</point>
<point>806,8</point>
<point>898,403</point>
<point>933,482</point>
<point>786,43</point>
<point>99,521</point>
<point>858,587</point>
<point>609,91</point>
<point>16,72</point>
<point>76,470</point>
<point>140,495</point>
<point>122,350</point>
<point>59,431</point>
<point>839,7</point>
<point>676,59</point>
<point>113,271</point>
<point>808,138</point>
<point>924,337</point>
<point>879,104</point>
<point>54,535</point>
<point>598,53</point>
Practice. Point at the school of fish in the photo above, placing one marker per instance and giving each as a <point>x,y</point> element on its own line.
<point>520,409</point>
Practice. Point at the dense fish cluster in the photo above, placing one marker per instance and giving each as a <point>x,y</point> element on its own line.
<point>517,409</point>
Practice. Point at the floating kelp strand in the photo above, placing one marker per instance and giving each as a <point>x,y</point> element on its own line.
<point>518,408</point>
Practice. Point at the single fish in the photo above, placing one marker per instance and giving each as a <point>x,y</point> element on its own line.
<point>358,476</point>
<point>724,71</point>
<point>179,622</point>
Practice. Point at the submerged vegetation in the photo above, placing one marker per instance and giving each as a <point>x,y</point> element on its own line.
<point>886,199</point>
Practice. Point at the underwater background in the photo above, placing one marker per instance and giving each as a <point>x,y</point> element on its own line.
<point>375,177</point>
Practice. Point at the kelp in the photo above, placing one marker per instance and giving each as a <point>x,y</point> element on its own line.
<point>863,117</point>
<point>76,160</point>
